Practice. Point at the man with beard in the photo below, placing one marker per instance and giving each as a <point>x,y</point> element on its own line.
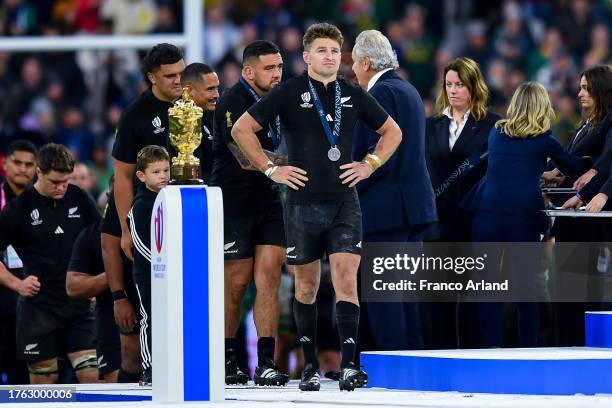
<point>253,221</point>
<point>19,167</point>
<point>144,122</point>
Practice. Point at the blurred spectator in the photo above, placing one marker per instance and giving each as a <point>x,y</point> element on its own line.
<point>166,20</point>
<point>559,73</point>
<point>599,52</point>
<point>551,45</point>
<point>100,169</point>
<point>497,78</point>
<point>220,35</point>
<point>272,16</point>
<point>17,17</point>
<point>358,15</point>
<point>564,125</point>
<point>477,47</point>
<point>6,79</point>
<point>82,177</point>
<point>75,134</point>
<point>511,40</point>
<point>575,21</point>
<point>291,50</point>
<point>230,71</point>
<point>129,16</point>
<point>21,94</point>
<point>87,16</point>
<point>418,48</point>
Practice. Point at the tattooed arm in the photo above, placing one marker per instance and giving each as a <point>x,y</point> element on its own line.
<point>245,164</point>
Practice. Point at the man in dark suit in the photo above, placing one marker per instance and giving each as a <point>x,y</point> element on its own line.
<point>397,201</point>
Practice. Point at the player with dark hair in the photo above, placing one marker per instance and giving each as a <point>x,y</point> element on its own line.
<point>19,168</point>
<point>322,211</point>
<point>145,122</point>
<point>42,225</point>
<point>253,221</point>
<point>202,83</point>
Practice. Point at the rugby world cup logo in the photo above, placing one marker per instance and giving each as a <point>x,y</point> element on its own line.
<point>159,228</point>
<point>306,99</point>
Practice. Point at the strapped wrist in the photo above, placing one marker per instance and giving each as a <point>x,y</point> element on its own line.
<point>119,294</point>
<point>373,161</point>
<point>267,167</point>
<point>270,171</point>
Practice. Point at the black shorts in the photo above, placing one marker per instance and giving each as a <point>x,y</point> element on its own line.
<point>244,232</point>
<point>314,228</point>
<point>107,334</point>
<point>45,332</point>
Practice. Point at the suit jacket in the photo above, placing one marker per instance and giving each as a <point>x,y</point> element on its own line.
<point>593,143</point>
<point>399,194</point>
<point>442,161</point>
<point>512,182</point>
<point>602,182</point>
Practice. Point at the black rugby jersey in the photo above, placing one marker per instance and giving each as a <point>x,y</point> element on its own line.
<point>143,123</point>
<point>240,187</point>
<point>43,232</point>
<point>87,257</point>
<point>307,143</point>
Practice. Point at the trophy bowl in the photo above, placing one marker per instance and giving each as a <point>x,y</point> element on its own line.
<point>185,119</point>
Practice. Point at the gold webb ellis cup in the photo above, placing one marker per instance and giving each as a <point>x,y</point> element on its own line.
<point>185,136</point>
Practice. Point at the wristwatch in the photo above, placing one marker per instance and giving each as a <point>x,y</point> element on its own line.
<point>119,294</point>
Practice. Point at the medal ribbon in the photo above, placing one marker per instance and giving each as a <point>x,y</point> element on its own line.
<point>275,135</point>
<point>331,137</point>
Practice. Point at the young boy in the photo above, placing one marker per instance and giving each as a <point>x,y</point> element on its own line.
<point>153,169</point>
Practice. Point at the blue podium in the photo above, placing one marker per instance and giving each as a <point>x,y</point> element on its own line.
<point>187,294</point>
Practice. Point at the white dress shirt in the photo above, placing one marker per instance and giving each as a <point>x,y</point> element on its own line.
<point>373,80</point>
<point>454,130</point>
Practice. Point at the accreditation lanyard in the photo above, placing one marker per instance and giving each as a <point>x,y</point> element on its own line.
<point>275,134</point>
<point>334,153</point>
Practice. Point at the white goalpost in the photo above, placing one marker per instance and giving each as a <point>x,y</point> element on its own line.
<point>190,39</point>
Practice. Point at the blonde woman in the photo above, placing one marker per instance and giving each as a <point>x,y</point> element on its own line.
<point>508,203</point>
<point>509,199</point>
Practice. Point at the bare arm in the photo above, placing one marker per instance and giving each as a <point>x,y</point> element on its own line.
<point>124,194</point>
<point>113,264</point>
<point>83,285</point>
<point>27,287</point>
<point>390,138</point>
<point>125,316</point>
<point>243,133</point>
<point>245,164</point>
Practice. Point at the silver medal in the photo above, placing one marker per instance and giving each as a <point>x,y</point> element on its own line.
<point>333,154</point>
